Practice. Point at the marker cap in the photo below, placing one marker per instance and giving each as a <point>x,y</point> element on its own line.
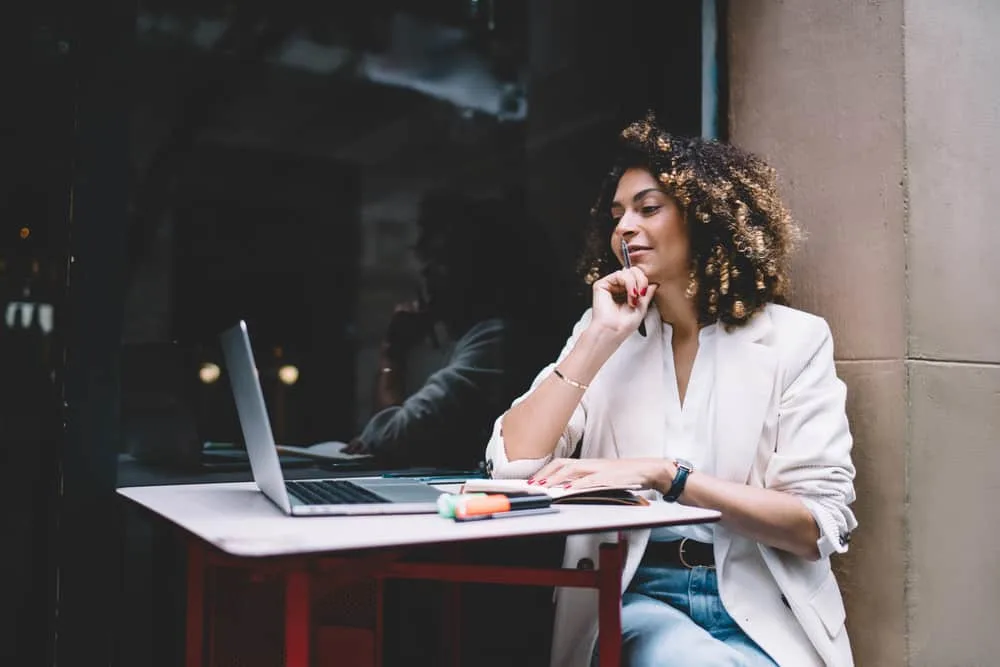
<point>448,502</point>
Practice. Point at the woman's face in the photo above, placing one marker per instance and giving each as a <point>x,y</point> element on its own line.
<point>652,225</point>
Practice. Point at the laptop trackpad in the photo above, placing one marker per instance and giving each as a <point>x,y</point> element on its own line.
<point>401,491</point>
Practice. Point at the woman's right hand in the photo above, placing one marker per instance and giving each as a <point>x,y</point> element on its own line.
<point>621,299</point>
<point>533,427</point>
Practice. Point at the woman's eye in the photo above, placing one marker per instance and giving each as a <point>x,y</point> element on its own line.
<point>650,210</point>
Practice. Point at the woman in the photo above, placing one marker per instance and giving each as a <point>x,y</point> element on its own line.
<point>730,401</point>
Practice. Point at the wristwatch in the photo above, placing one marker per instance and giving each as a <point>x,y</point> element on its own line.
<point>684,468</point>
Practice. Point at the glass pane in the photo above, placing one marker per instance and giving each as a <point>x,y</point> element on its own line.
<point>387,193</point>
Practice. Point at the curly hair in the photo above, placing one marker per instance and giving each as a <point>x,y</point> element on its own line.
<point>741,233</point>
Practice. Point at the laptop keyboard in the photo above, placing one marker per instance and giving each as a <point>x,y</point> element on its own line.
<point>332,492</point>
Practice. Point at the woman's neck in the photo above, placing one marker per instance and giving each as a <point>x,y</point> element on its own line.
<point>676,309</point>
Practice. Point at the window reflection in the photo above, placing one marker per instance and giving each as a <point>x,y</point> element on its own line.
<point>315,167</point>
<point>485,284</point>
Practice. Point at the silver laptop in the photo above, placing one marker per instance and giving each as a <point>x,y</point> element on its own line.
<point>318,497</point>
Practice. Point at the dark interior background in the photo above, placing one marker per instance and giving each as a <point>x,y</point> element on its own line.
<point>279,152</point>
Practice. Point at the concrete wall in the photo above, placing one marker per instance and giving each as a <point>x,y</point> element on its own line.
<point>882,118</point>
<point>952,143</point>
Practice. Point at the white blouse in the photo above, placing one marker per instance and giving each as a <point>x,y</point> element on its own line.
<point>689,426</point>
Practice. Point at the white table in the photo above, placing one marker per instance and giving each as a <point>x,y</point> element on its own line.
<point>234,525</point>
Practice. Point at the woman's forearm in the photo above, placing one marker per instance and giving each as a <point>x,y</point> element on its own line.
<point>772,517</point>
<point>532,428</point>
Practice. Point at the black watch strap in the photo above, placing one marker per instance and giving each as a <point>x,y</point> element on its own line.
<point>684,468</point>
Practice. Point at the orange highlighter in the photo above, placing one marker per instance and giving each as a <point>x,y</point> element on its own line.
<point>501,506</point>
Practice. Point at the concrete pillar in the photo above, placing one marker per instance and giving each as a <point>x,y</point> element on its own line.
<point>884,120</point>
<point>952,113</point>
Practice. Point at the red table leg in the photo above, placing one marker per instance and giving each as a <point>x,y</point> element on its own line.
<point>609,578</point>
<point>297,619</point>
<point>195,622</point>
<point>298,635</point>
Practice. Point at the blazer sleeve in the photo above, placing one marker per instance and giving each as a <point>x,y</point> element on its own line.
<point>497,463</point>
<point>812,459</point>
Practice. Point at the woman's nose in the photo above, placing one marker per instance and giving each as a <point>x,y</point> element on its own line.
<point>625,226</point>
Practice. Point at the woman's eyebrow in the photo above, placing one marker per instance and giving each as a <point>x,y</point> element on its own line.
<point>637,196</point>
<point>642,193</point>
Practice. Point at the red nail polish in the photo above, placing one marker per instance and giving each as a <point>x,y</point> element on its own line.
<point>531,480</point>
<point>541,481</point>
<point>643,292</point>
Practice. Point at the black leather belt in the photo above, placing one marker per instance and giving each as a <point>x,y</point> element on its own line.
<point>680,553</point>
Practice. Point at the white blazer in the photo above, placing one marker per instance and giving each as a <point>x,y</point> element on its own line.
<point>780,424</point>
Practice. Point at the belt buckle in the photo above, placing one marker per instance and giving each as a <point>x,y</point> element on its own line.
<point>680,556</point>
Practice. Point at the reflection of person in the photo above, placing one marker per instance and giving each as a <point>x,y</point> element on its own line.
<point>730,402</point>
<point>465,248</point>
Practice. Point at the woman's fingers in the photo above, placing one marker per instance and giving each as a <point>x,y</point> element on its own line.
<point>613,284</point>
<point>630,295</point>
<point>547,470</point>
<point>575,469</point>
<point>639,283</point>
<point>588,481</point>
<point>646,295</point>
<point>560,471</point>
<point>628,285</point>
<point>567,473</point>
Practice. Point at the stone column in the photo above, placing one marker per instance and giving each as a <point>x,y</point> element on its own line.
<point>884,120</point>
<point>952,112</point>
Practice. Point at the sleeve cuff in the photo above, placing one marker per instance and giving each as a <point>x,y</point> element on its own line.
<point>831,539</point>
<point>498,466</point>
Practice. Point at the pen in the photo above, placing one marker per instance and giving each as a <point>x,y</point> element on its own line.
<point>506,515</point>
<point>446,479</point>
<point>628,265</point>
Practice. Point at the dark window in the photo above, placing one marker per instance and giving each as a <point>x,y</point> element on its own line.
<point>299,166</point>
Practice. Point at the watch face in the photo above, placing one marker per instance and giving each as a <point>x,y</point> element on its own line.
<point>687,465</point>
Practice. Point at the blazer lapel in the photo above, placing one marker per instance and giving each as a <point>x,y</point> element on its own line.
<point>744,381</point>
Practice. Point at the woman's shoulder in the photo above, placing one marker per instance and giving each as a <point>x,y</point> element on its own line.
<point>799,336</point>
<point>788,321</point>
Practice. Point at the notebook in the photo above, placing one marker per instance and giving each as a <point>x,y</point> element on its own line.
<point>315,497</point>
<point>595,495</point>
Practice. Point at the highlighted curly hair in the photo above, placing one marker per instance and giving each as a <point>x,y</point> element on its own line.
<point>740,232</point>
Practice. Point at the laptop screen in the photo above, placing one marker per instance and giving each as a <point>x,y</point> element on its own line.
<point>252,410</point>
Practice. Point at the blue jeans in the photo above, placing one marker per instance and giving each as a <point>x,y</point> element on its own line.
<point>673,617</point>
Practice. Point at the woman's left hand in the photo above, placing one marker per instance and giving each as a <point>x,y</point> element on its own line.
<point>584,473</point>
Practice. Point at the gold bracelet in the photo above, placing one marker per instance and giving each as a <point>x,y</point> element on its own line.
<point>571,382</point>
